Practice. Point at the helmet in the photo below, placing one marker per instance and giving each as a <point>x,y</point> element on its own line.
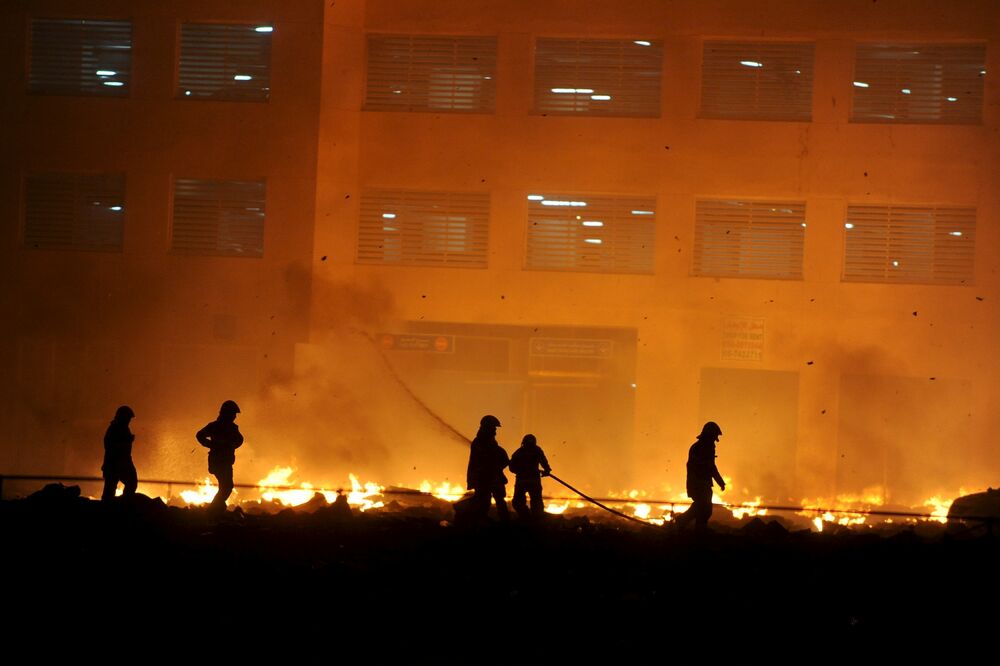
<point>710,430</point>
<point>529,440</point>
<point>489,420</point>
<point>229,407</point>
<point>124,412</point>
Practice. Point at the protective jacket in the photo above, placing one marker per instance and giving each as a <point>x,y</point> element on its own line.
<point>117,447</point>
<point>701,468</point>
<point>222,438</point>
<point>487,460</point>
<point>526,461</point>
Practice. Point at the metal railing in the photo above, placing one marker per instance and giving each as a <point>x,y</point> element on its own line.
<point>673,504</point>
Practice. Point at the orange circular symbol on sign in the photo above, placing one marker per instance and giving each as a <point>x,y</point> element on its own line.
<point>441,343</point>
<point>388,341</point>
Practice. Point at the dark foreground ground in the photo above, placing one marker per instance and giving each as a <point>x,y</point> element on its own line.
<point>401,583</point>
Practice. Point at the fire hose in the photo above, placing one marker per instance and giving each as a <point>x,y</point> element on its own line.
<point>596,503</point>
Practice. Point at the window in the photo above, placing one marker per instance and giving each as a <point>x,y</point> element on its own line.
<point>74,211</point>
<point>424,228</point>
<point>757,80</point>
<point>225,62</point>
<point>917,244</point>
<point>218,217</point>
<point>431,73</point>
<point>603,234</point>
<point>598,77</point>
<point>80,57</point>
<point>755,239</point>
<point>918,83</point>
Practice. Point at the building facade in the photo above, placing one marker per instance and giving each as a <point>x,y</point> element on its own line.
<point>605,222</point>
<point>814,269</point>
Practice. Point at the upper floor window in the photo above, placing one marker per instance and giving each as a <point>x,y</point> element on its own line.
<point>916,244</point>
<point>80,57</point>
<point>598,77</point>
<point>225,62</point>
<point>754,239</point>
<point>424,228</point>
<point>919,83</point>
<point>757,80</point>
<point>431,73</point>
<point>218,217</point>
<point>65,211</point>
<point>604,234</point>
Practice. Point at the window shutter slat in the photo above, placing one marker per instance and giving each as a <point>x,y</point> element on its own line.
<point>756,239</point>
<point>431,73</point>
<point>74,211</point>
<point>224,62</point>
<point>909,244</point>
<point>424,228</point>
<point>757,80</point>
<point>604,234</point>
<point>218,217</point>
<point>67,54</point>
<point>919,83</point>
<point>598,77</point>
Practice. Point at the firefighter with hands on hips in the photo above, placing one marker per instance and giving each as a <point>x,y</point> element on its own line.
<point>222,437</point>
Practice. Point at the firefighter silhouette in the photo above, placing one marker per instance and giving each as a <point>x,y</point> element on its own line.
<point>222,437</point>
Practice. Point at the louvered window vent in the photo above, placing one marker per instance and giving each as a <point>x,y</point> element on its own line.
<point>424,228</point>
<point>757,80</point>
<point>914,244</point>
<point>80,57</point>
<point>919,83</point>
<point>225,62</point>
<point>431,73</point>
<point>74,211</point>
<point>601,234</point>
<point>598,77</point>
<point>752,239</point>
<point>218,217</point>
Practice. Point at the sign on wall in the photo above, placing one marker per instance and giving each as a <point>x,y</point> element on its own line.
<point>742,339</point>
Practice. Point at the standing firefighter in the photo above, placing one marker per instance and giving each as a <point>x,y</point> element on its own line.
<point>118,465</point>
<point>485,476</point>
<point>701,470</point>
<point>222,437</point>
<point>525,463</point>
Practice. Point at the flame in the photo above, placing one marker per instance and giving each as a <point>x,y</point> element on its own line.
<point>360,496</point>
<point>844,509</point>
<point>281,476</point>
<point>556,508</point>
<point>443,490</point>
<point>202,494</point>
<point>751,508</point>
